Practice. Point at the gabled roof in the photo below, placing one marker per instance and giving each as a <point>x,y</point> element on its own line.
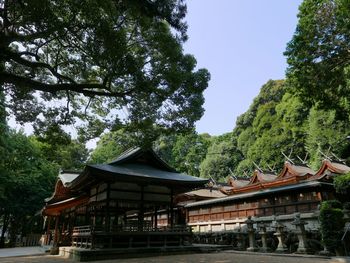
<point>137,165</point>
<point>61,190</point>
<point>54,209</point>
<point>205,193</point>
<point>236,183</point>
<point>68,176</point>
<point>291,170</point>
<point>329,169</point>
<point>261,192</point>
<point>139,155</point>
<point>290,174</point>
<point>261,177</point>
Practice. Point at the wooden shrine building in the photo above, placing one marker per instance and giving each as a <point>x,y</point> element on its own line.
<point>119,204</point>
<point>265,196</point>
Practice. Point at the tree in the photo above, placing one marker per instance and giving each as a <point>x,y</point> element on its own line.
<point>221,159</point>
<point>29,178</point>
<point>110,146</point>
<point>66,60</point>
<point>342,185</point>
<point>188,152</point>
<point>3,144</point>
<point>318,54</point>
<point>275,122</point>
<point>325,134</point>
<point>331,225</point>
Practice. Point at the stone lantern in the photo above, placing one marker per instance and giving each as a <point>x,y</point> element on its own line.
<point>251,234</point>
<point>300,231</point>
<point>279,227</point>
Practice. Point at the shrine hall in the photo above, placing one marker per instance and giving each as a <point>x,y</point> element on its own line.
<point>128,202</point>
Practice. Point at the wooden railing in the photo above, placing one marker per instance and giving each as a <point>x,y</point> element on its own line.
<point>131,227</point>
<point>82,236</point>
<point>129,235</point>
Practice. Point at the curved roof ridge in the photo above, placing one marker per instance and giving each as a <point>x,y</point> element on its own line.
<point>237,183</point>
<point>292,170</point>
<point>332,167</point>
<point>137,152</point>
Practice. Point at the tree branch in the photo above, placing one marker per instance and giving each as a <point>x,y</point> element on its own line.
<point>87,89</point>
<point>32,64</point>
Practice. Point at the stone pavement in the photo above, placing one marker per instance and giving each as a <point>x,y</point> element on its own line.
<point>21,251</point>
<point>219,257</point>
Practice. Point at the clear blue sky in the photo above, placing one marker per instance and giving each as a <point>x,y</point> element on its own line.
<point>241,43</point>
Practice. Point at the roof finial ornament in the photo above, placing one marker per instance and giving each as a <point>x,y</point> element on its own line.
<point>257,166</point>
<point>232,174</point>
<point>303,161</point>
<point>272,169</point>
<point>212,179</point>
<point>325,155</point>
<point>338,159</point>
<point>246,174</point>
<point>288,157</point>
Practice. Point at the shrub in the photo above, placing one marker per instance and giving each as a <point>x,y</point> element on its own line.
<point>331,224</point>
<point>342,184</point>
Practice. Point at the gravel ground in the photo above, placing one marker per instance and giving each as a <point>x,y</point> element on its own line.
<point>221,257</point>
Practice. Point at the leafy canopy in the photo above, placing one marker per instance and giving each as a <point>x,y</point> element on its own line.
<point>318,54</point>
<point>93,60</point>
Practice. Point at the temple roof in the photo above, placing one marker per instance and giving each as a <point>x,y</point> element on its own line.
<point>61,190</point>
<point>144,156</point>
<point>263,192</point>
<point>291,170</point>
<point>53,209</point>
<point>238,182</point>
<point>206,193</point>
<point>260,177</point>
<point>136,165</point>
<point>67,176</point>
<point>329,169</point>
<point>136,171</point>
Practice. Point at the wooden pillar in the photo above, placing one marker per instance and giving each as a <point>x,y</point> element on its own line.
<point>141,210</point>
<point>56,237</point>
<point>171,208</point>
<point>155,218</point>
<point>87,219</point>
<point>48,233</point>
<point>107,212</point>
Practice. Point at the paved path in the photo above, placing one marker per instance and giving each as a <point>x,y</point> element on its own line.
<point>220,257</point>
<point>20,251</point>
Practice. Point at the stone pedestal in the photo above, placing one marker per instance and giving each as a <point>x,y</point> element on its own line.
<point>251,234</point>
<point>281,248</point>
<point>240,240</point>
<point>303,247</point>
<point>263,234</point>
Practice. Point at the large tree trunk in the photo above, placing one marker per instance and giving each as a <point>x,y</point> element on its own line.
<point>4,229</point>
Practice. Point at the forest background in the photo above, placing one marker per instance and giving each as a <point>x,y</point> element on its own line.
<point>304,117</point>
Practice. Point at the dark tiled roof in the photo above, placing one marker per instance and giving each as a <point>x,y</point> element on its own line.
<point>134,171</point>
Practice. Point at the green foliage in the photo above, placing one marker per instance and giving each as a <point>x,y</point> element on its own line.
<point>342,184</point>
<point>278,121</point>
<point>28,179</point>
<point>59,147</point>
<point>110,146</point>
<point>331,224</point>
<point>104,63</point>
<point>325,132</point>
<point>188,152</point>
<point>275,122</point>
<point>318,55</point>
<point>221,159</point>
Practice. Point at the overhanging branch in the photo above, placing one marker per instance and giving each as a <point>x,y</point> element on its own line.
<point>87,89</point>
